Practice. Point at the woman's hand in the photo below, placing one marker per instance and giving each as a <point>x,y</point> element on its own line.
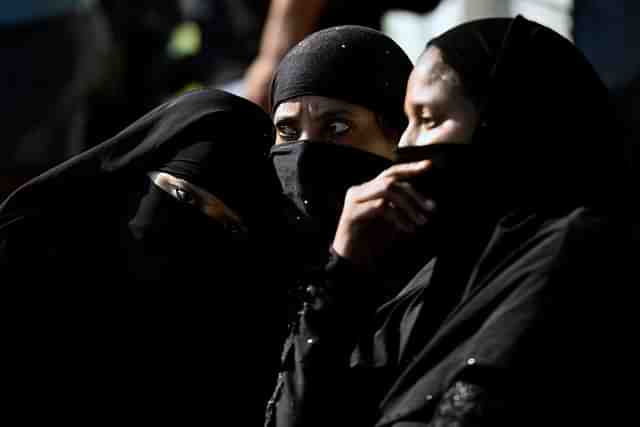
<point>380,211</point>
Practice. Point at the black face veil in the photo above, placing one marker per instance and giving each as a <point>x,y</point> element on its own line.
<point>104,206</point>
<point>351,63</point>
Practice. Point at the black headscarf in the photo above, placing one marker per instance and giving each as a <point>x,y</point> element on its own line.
<point>547,136</point>
<point>351,63</point>
<point>166,134</point>
<point>100,206</point>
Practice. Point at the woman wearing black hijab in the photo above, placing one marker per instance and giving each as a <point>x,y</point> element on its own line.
<point>502,326</point>
<point>126,271</point>
<point>101,205</point>
<point>336,102</point>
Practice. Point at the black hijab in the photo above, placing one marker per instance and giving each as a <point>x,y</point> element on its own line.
<point>100,206</point>
<point>547,133</point>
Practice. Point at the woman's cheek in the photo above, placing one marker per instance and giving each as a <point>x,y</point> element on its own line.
<point>426,136</point>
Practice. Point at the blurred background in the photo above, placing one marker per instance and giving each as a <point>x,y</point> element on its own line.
<point>75,72</point>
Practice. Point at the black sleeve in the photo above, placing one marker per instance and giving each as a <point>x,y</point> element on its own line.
<point>315,385</point>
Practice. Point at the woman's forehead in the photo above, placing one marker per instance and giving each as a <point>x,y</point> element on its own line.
<point>433,82</point>
<point>315,106</point>
<point>432,68</point>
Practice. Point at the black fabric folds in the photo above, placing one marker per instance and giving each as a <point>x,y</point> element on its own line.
<point>331,63</point>
<point>125,302</point>
<point>454,177</point>
<point>548,130</point>
<point>79,212</point>
<point>314,177</point>
<point>149,144</point>
<point>197,163</point>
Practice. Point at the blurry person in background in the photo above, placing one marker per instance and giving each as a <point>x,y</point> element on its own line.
<point>52,55</point>
<point>139,73</point>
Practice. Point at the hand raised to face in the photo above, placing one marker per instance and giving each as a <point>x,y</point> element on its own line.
<point>380,211</point>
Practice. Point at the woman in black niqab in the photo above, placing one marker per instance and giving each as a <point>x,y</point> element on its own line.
<point>98,215</point>
<point>128,299</point>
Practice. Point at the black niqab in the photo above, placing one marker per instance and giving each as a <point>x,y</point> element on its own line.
<point>314,177</point>
<point>81,243</point>
<point>89,199</point>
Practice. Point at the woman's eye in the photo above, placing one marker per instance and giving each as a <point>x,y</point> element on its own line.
<point>427,122</point>
<point>184,196</point>
<point>338,127</point>
<point>287,133</point>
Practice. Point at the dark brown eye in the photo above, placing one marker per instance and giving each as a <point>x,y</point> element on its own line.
<point>287,132</point>
<point>184,196</point>
<point>427,121</point>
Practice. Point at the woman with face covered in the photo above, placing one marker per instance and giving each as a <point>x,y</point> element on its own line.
<point>508,323</point>
<point>336,102</point>
<point>126,271</point>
